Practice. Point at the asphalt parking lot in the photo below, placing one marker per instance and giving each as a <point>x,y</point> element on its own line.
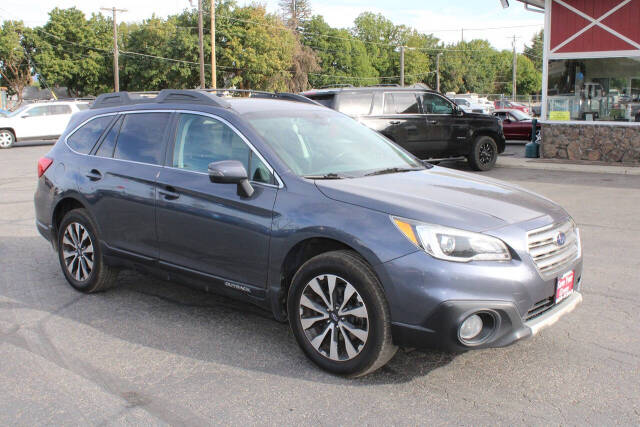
<point>150,352</point>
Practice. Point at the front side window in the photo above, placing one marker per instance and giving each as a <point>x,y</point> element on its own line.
<point>39,111</point>
<point>401,103</point>
<point>142,138</point>
<point>201,140</point>
<point>318,142</point>
<point>434,104</point>
<point>84,138</point>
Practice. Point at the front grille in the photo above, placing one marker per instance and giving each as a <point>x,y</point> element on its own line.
<point>547,254</point>
<point>539,308</point>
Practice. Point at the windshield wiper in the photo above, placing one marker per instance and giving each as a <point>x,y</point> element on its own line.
<point>392,170</point>
<point>331,175</point>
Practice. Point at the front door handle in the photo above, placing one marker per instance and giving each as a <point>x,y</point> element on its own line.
<point>169,193</point>
<point>432,122</point>
<point>394,122</point>
<point>94,175</point>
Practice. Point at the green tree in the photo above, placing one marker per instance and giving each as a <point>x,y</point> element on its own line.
<point>381,39</point>
<point>342,58</point>
<point>535,51</point>
<point>528,79</point>
<point>15,67</point>
<point>75,52</point>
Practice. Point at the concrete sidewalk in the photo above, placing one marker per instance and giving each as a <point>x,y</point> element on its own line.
<point>559,165</point>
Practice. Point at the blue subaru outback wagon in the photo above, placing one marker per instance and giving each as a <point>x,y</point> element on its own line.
<point>299,209</point>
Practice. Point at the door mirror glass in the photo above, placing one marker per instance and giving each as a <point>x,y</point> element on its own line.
<point>231,172</point>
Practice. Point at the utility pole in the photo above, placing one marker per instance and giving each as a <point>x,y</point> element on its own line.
<point>462,39</point>
<point>438,71</point>
<point>116,53</point>
<point>402,66</point>
<point>213,44</point>
<point>515,69</point>
<point>201,44</point>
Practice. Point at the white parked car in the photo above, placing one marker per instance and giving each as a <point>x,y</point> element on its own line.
<point>471,107</point>
<point>37,121</point>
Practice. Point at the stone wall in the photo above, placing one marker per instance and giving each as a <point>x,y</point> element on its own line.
<point>595,142</point>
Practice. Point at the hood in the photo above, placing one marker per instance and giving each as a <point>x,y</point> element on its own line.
<point>443,196</point>
<point>483,116</point>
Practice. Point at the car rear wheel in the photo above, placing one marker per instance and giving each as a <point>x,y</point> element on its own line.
<point>339,315</point>
<point>484,154</point>
<point>7,138</point>
<point>80,255</point>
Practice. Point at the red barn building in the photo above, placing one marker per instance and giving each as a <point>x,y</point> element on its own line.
<point>591,79</point>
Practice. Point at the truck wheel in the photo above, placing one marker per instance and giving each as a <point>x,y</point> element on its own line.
<point>80,254</point>
<point>484,153</point>
<point>339,315</point>
<point>7,138</point>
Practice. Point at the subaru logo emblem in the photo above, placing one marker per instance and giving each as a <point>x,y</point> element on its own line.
<point>561,238</point>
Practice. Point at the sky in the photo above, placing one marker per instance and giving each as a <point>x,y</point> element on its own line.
<point>443,18</point>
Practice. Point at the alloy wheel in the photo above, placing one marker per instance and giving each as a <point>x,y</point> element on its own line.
<point>6,139</point>
<point>77,251</point>
<point>486,153</point>
<point>334,317</point>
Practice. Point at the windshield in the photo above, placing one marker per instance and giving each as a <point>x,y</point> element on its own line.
<point>323,142</point>
<point>519,115</point>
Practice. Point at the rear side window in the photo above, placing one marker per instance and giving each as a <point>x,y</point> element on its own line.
<point>326,100</point>
<point>401,103</point>
<point>83,139</point>
<point>60,109</point>
<point>355,104</point>
<point>82,107</point>
<point>142,138</point>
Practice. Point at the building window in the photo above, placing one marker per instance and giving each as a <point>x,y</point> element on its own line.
<point>602,89</point>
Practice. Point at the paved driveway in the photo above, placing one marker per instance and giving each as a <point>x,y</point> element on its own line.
<point>149,352</point>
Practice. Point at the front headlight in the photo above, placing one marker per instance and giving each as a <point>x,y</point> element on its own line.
<point>451,244</point>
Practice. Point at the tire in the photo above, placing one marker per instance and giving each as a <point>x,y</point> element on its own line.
<point>7,138</point>
<point>363,319</point>
<point>83,265</point>
<point>484,153</point>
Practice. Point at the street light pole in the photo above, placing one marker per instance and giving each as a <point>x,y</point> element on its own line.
<point>438,71</point>
<point>116,53</point>
<point>402,66</point>
<point>201,44</point>
<point>213,44</point>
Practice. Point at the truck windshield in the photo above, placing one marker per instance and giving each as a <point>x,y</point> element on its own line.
<point>325,143</point>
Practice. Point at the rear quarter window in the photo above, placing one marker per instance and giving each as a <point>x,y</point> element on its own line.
<point>85,137</point>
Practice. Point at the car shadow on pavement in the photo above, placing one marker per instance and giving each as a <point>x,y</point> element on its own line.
<point>169,317</point>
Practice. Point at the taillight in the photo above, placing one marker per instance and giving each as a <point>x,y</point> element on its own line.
<point>43,165</point>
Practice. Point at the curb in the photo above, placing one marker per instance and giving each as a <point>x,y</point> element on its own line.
<point>517,163</point>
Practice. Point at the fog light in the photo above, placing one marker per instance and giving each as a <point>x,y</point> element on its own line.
<point>471,327</point>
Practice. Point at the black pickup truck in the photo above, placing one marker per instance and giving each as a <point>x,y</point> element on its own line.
<point>422,121</point>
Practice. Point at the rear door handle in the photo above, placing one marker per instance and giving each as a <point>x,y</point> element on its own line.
<point>94,175</point>
<point>432,122</point>
<point>169,193</point>
<point>394,122</point>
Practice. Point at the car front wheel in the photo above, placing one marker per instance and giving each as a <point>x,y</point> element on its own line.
<point>7,138</point>
<point>484,153</point>
<point>339,315</point>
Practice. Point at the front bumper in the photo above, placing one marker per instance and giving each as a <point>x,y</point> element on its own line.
<point>429,298</point>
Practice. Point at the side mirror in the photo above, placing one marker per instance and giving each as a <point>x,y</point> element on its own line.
<point>458,112</point>
<point>24,116</point>
<point>231,172</point>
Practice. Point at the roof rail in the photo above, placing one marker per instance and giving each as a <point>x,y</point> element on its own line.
<point>336,86</point>
<point>165,96</point>
<point>288,96</point>
<point>385,85</point>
